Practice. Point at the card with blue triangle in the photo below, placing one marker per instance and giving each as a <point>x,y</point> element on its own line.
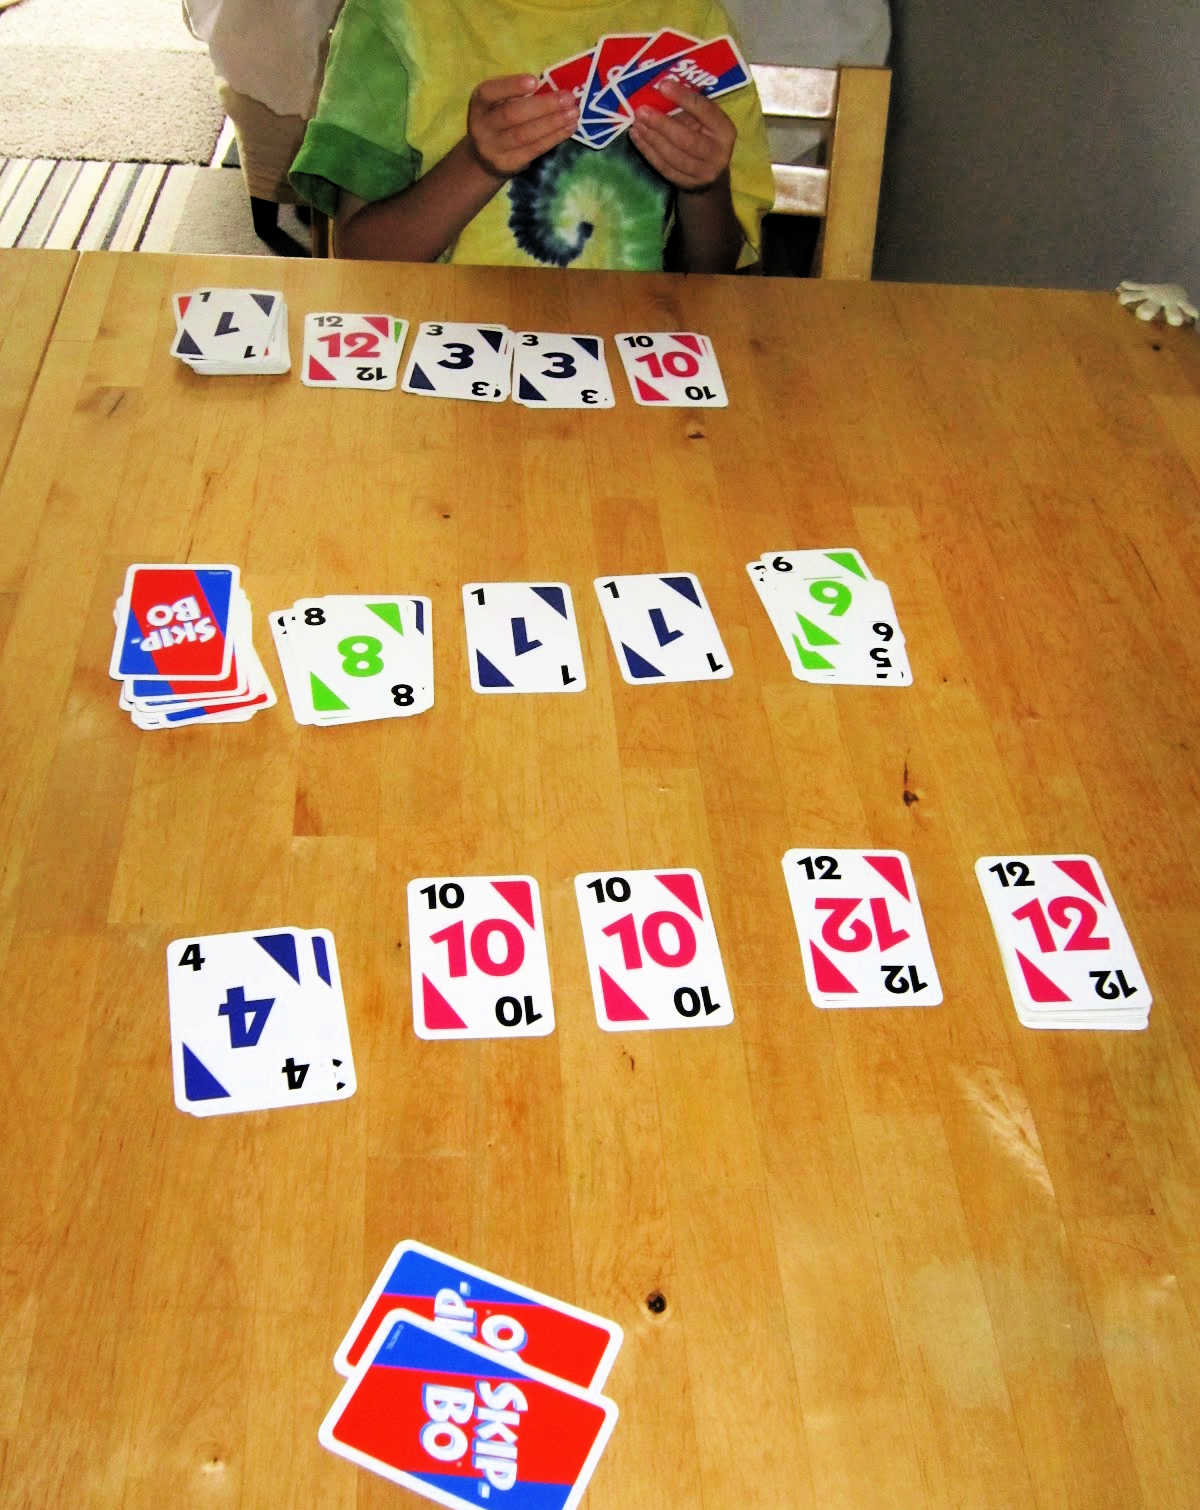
<point>662,629</point>
<point>454,359</point>
<point>559,371</point>
<point>226,331</point>
<point>348,658</point>
<point>522,637</point>
<point>258,1021</point>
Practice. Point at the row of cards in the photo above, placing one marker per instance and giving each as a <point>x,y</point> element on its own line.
<point>624,73</point>
<point>258,1019</point>
<point>229,330</point>
<point>183,651</point>
<point>462,1385</point>
<point>556,370</point>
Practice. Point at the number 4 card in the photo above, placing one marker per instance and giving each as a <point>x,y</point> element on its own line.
<point>478,952</point>
<point>652,951</point>
<point>1066,953</point>
<point>862,934</point>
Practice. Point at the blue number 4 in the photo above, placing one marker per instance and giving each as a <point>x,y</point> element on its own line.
<point>247,1019</point>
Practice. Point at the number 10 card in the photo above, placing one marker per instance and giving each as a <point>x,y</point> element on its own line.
<point>477,947</point>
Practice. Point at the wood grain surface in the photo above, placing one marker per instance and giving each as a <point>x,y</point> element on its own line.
<point>32,285</point>
<point>923,1258</point>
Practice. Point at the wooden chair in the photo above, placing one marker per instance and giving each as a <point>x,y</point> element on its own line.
<point>843,194</point>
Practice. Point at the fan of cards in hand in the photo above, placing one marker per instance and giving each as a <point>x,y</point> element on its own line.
<point>219,331</point>
<point>183,651</point>
<point>622,75</point>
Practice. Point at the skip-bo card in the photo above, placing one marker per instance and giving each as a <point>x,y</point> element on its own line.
<point>173,623</point>
<point>258,1021</point>
<point>672,369</point>
<point>522,637</point>
<point>466,1301</point>
<point>652,951</point>
<point>861,929</point>
<point>1067,955</point>
<point>464,1427</point>
<point>351,350</point>
<point>662,629</point>
<point>477,947</point>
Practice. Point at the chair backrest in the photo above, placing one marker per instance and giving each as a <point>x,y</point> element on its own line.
<point>844,193</point>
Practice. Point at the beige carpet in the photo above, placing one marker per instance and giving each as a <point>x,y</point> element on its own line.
<point>118,80</point>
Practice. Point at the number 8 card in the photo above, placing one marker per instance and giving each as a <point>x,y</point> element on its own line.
<point>478,953</point>
<point>652,950</point>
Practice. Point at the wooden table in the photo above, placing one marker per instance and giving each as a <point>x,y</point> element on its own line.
<point>32,285</point>
<point>908,1258</point>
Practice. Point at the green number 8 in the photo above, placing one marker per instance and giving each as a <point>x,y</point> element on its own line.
<point>360,655</point>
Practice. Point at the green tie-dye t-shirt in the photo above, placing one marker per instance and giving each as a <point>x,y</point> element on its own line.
<point>394,102</point>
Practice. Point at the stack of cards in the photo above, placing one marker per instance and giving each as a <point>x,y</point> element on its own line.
<point>258,1021</point>
<point>672,369</point>
<point>861,929</point>
<point>348,658</point>
<point>477,947</point>
<point>835,621</point>
<point>652,952</point>
<point>1067,956</point>
<point>352,351</point>
<point>231,330</point>
<point>522,637</point>
<point>622,74</point>
<point>662,629</point>
<point>183,651</point>
<point>468,1389</point>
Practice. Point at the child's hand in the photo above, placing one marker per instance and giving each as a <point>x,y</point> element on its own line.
<point>691,149</point>
<point>508,125</point>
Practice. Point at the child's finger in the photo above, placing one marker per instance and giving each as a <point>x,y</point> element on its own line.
<point>508,86</point>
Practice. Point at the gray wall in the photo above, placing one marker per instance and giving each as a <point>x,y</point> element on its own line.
<point>1053,144</point>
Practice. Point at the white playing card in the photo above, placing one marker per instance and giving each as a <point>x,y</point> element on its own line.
<point>861,929</point>
<point>231,330</point>
<point>662,629</point>
<point>560,371</point>
<point>522,637</point>
<point>1067,956</point>
<point>672,369</point>
<point>451,359</point>
<point>351,350</point>
<point>477,947</point>
<point>652,952</point>
<point>835,628</point>
<point>347,658</point>
<point>257,1022</point>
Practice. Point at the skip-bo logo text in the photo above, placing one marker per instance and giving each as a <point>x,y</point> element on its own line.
<point>453,1314</point>
<point>492,1411</point>
<point>175,623</point>
<point>692,73</point>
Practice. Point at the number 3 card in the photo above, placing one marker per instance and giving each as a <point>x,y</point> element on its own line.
<point>1066,953</point>
<point>862,934</point>
<point>478,952</point>
<point>652,951</point>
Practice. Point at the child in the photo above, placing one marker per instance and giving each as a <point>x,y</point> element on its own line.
<point>415,158</point>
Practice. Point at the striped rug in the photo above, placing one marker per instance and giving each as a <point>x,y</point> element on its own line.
<point>99,206</point>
